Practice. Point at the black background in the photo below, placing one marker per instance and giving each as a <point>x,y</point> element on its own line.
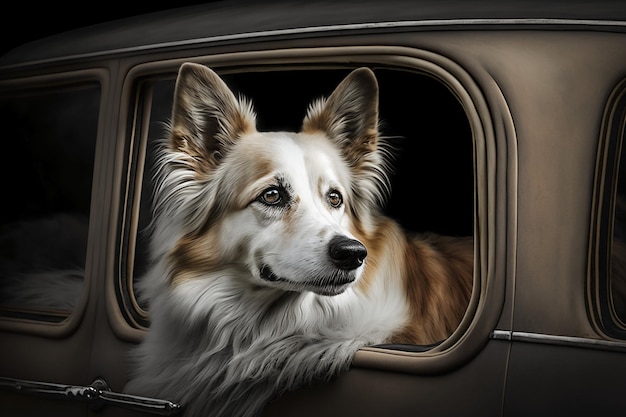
<point>25,21</point>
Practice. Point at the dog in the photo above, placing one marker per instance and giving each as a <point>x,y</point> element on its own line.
<point>273,262</point>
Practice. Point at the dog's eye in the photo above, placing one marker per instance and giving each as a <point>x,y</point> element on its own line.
<point>334,198</point>
<point>271,196</point>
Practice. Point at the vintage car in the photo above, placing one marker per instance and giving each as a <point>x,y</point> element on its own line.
<point>509,122</point>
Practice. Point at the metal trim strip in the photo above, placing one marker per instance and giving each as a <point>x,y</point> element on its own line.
<point>571,341</point>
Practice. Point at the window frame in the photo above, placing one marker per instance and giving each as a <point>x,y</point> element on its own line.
<point>99,78</point>
<point>489,224</point>
<point>610,148</point>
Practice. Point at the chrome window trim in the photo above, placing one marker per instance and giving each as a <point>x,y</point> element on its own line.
<point>409,24</point>
<point>550,339</point>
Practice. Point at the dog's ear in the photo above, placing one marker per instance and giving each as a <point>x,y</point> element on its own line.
<point>350,115</point>
<point>207,118</point>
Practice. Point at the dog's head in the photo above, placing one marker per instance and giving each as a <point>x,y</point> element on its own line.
<point>284,208</point>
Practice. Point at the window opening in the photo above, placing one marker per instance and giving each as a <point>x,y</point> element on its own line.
<point>608,261</point>
<point>49,142</point>
<point>433,168</point>
<point>617,279</point>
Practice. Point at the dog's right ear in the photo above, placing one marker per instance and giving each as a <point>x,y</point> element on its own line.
<point>207,118</point>
<point>349,116</point>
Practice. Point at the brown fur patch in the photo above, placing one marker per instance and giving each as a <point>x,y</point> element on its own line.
<point>195,255</point>
<point>438,276</point>
<point>436,273</point>
<point>375,243</point>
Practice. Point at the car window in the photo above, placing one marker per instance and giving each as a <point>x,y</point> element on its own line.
<point>48,142</point>
<point>618,256</point>
<point>617,278</point>
<point>608,261</point>
<point>433,172</point>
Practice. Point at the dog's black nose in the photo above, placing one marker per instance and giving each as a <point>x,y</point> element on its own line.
<point>346,253</point>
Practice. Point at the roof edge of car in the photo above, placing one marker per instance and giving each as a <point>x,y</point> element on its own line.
<point>18,60</point>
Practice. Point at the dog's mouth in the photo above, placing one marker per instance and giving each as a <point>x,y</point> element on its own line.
<point>327,285</point>
<point>268,275</point>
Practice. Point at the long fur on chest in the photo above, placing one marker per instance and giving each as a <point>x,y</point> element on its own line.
<point>220,346</point>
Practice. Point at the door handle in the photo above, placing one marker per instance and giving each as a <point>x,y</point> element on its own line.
<point>98,395</point>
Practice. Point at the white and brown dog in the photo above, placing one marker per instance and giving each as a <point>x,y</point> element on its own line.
<point>273,262</point>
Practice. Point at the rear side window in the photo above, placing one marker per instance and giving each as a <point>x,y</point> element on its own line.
<point>617,280</point>
<point>433,172</point>
<point>608,287</point>
<point>48,141</point>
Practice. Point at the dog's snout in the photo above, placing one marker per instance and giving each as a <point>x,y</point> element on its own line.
<point>346,253</point>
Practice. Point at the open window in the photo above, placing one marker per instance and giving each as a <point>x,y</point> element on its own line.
<point>433,182</point>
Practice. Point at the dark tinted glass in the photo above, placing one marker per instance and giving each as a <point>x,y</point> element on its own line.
<point>48,143</point>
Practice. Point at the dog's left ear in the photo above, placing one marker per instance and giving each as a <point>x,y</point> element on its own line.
<point>350,115</point>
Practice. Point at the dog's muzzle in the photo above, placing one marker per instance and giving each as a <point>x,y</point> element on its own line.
<point>345,255</point>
